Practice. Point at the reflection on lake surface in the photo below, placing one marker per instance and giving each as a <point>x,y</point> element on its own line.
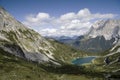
<point>80,61</point>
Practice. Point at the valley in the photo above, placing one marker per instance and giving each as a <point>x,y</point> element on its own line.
<point>26,55</point>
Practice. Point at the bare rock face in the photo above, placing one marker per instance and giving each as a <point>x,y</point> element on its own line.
<point>109,29</point>
<point>106,28</point>
<point>22,41</point>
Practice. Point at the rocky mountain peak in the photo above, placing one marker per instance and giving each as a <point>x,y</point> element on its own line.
<point>107,28</point>
<point>7,22</point>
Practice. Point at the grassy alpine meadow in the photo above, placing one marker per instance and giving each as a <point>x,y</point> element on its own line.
<point>14,68</point>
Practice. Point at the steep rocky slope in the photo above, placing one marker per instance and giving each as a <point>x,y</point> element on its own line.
<point>21,41</point>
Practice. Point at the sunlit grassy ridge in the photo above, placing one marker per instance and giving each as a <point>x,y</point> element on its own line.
<point>64,52</point>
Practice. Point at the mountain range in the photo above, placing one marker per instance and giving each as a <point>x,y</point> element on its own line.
<point>102,36</point>
<point>26,55</point>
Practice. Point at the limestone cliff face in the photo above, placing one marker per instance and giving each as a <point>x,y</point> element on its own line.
<point>22,41</point>
<point>106,28</point>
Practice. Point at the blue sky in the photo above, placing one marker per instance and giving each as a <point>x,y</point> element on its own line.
<point>53,10</point>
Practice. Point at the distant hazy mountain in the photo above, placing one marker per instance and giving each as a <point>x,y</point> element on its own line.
<point>64,39</point>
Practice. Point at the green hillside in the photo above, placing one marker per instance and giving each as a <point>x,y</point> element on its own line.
<point>64,52</point>
<point>14,68</point>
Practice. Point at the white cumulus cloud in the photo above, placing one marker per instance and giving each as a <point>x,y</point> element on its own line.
<point>68,24</point>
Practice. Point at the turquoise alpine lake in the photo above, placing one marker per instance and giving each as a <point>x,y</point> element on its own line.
<point>80,61</point>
